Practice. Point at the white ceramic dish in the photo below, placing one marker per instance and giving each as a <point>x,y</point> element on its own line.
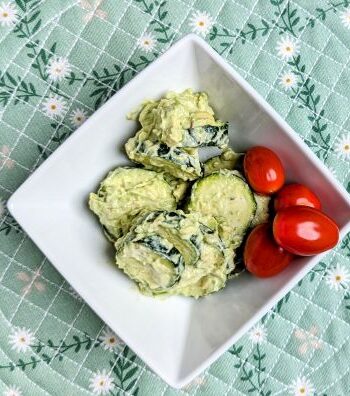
<point>177,337</point>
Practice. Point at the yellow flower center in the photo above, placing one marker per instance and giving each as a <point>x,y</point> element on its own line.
<point>58,70</point>
<point>53,107</point>
<point>288,49</point>
<point>22,340</point>
<point>78,118</point>
<point>347,147</point>
<point>201,23</point>
<point>101,383</point>
<point>5,14</point>
<point>302,390</point>
<point>338,278</point>
<point>112,340</point>
<point>288,80</point>
<point>146,42</point>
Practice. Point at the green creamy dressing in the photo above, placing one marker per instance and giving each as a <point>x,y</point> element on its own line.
<point>175,253</point>
<point>172,129</point>
<point>126,192</point>
<point>166,120</point>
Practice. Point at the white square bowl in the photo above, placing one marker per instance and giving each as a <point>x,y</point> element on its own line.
<point>177,337</point>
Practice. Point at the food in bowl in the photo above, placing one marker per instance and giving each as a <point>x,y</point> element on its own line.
<point>180,225</point>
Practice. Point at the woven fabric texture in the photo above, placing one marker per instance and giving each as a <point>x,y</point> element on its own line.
<point>60,61</point>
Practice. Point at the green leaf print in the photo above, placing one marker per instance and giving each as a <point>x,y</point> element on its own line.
<point>108,81</point>
<point>8,225</point>
<point>54,351</point>
<point>347,300</point>
<point>160,26</point>
<point>147,7</point>
<point>281,303</point>
<point>126,371</point>
<point>320,268</point>
<point>11,86</point>
<point>305,93</point>
<point>321,13</point>
<point>345,245</point>
<point>287,18</point>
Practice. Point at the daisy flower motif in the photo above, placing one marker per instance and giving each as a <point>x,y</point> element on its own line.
<point>147,42</point>
<point>201,22</point>
<point>301,387</point>
<point>21,339</point>
<point>308,339</point>
<point>58,68</point>
<point>345,17</point>
<point>287,47</point>
<point>288,80</point>
<point>54,106</point>
<point>338,277</point>
<point>257,334</point>
<point>101,383</point>
<point>342,146</point>
<point>8,14</point>
<point>2,208</point>
<point>12,391</point>
<point>78,117</point>
<point>109,339</point>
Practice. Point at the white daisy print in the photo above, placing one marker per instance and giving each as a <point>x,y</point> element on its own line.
<point>58,68</point>
<point>101,383</point>
<point>78,117</point>
<point>301,387</point>
<point>54,106</point>
<point>338,277</point>
<point>12,391</point>
<point>345,17</point>
<point>287,47</point>
<point>258,334</point>
<point>109,339</point>
<point>2,208</point>
<point>201,22</point>
<point>21,339</point>
<point>8,14</point>
<point>288,80</point>
<point>147,42</point>
<point>342,146</point>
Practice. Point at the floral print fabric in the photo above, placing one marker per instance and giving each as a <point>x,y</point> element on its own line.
<point>60,61</point>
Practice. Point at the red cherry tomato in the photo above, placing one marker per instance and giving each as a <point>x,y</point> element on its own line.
<point>262,256</point>
<point>263,170</point>
<point>296,195</point>
<point>304,231</point>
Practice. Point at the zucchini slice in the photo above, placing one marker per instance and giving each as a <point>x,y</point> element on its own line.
<point>228,159</point>
<point>207,135</point>
<point>178,162</point>
<point>170,252</point>
<point>228,198</point>
<point>126,192</point>
<point>262,209</point>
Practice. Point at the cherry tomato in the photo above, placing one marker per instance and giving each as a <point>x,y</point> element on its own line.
<point>296,195</point>
<point>263,170</point>
<point>304,231</point>
<point>262,256</point>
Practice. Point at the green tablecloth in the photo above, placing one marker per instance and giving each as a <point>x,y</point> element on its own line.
<point>59,61</point>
